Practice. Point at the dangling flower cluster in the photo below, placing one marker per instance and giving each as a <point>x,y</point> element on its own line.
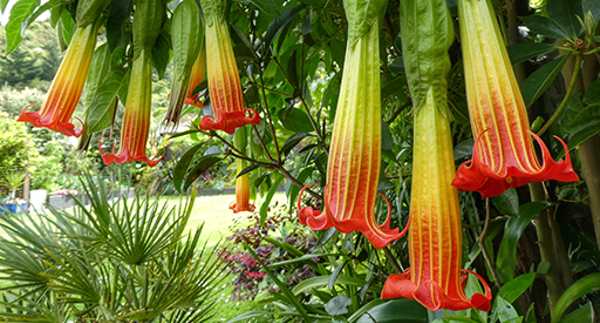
<point>355,153</point>
<point>503,155</point>
<point>57,110</point>
<point>136,122</point>
<point>223,79</point>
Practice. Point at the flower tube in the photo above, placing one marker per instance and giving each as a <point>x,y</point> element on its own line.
<point>435,278</point>
<point>242,183</point>
<point>503,155</point>
<point>136,121</point>
<point>223,78</point>
<point>57,111</point>
<point>355,153</point>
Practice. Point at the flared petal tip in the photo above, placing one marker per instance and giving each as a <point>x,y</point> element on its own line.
<point>475,175</point>
<point>194,102</point>
<point>229,121</point>
<point>432,296</point>
<point>242,208</point>
<point>36,120</point>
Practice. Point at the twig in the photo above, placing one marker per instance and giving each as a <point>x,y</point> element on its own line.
<point>264,95</point>
<point>392,260</point>
<point>481,243</point>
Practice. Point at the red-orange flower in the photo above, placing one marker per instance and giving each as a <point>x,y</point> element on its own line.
<point>57,111</point>
<point>136,121</point>
<point>196,78</point>
<point>355,153</point>
<point>242,191</point>
<point>503,155</point>
<point>223,79</point>
<point>435,278</point>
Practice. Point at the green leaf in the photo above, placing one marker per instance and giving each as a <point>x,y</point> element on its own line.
<point>545,26</point>
<point>102,106</point>
<point>296,120</point>
<point>98,71</point>
<point>280,23</point>
<point>18,18</point>
<point>118,15</point>
<point>503,311</point>
<point>583,286</point>
<point>183,164</point>
<point>292,141</point>
<point>161,53</point>
<point>67,27</point>
<point>426,67</point>
<point>265,205</point>
<point>396,311</point>
<point>583,123</point>
<point>338,305</point>
<point>515,287</point>
<point>507,202</point>
<point>539,81</point>
<point>336,273</point>
<point>248,315</point>
<point>507,253</point>
<point>525,51</point>
<point>593,6</point>
<point>322,281</point>
<point>247,170</point>
<point>464,149</point>
<point>397,66</point>
<point>565,13</point>
<point>267,6</point>
<point>3,4</point>
<point>46,6</point>
<point>294,189</point>
<point>584,314</point>
<point>592,96</point>
<point>203,164</point>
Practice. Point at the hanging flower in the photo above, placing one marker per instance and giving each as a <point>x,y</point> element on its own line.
<point>136,121</point>
<point>435,278</point>
<point>242,183</point>
<point>57,111</point>
<point>242,191</point>
<point>355,153</point>
<point>503,154</point>
<point>223,79</point>
<point>196,78</point>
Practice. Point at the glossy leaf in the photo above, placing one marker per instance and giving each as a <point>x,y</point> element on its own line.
<point>525,51</point>
<point>280,23</point>
<point>507,253</point>
<point>539,81</point>
<point>18,15</point>
<point>267,6</point>
<point>396,311</point>
<point>102,105</point>
<point>296,120</point>
<point>118,15</point>
<point>565,13</point>
<point>183,164</point>
<point>583,286</point>
<point>292,141</point>
<point>264,208</point>
<point>584,314</point>
<point>43,8</point>
<point>203,164</point>
<point>516,287</point>
<point>338,305</point>
<point>507,202</point>
<point>336,273</point>
<point>545,26</point>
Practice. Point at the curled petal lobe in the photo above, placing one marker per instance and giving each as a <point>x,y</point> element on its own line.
<point>57,111</point>
<point>503,156</point>
<point>354,157</point>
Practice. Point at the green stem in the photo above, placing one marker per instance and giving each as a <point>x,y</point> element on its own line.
<point>576,70</point>
<point>481,243</point>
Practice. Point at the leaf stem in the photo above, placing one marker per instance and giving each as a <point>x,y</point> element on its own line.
<point>481,243</point>
<point>576,70</point>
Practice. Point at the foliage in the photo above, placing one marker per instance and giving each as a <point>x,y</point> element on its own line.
<point>15,154</point>
<point>129,261</point>
<point>249,279</point>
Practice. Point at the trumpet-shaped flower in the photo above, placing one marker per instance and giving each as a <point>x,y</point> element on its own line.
<point>355,153</point>
<point>242,191</point>
<point>136,121</point>
<point>196,78</point>
<point>223,79</point>
<point>503,155</point>
<point>57,111</point>
<point>435,278</point>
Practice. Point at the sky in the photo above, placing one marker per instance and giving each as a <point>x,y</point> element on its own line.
<point>6,13</point>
